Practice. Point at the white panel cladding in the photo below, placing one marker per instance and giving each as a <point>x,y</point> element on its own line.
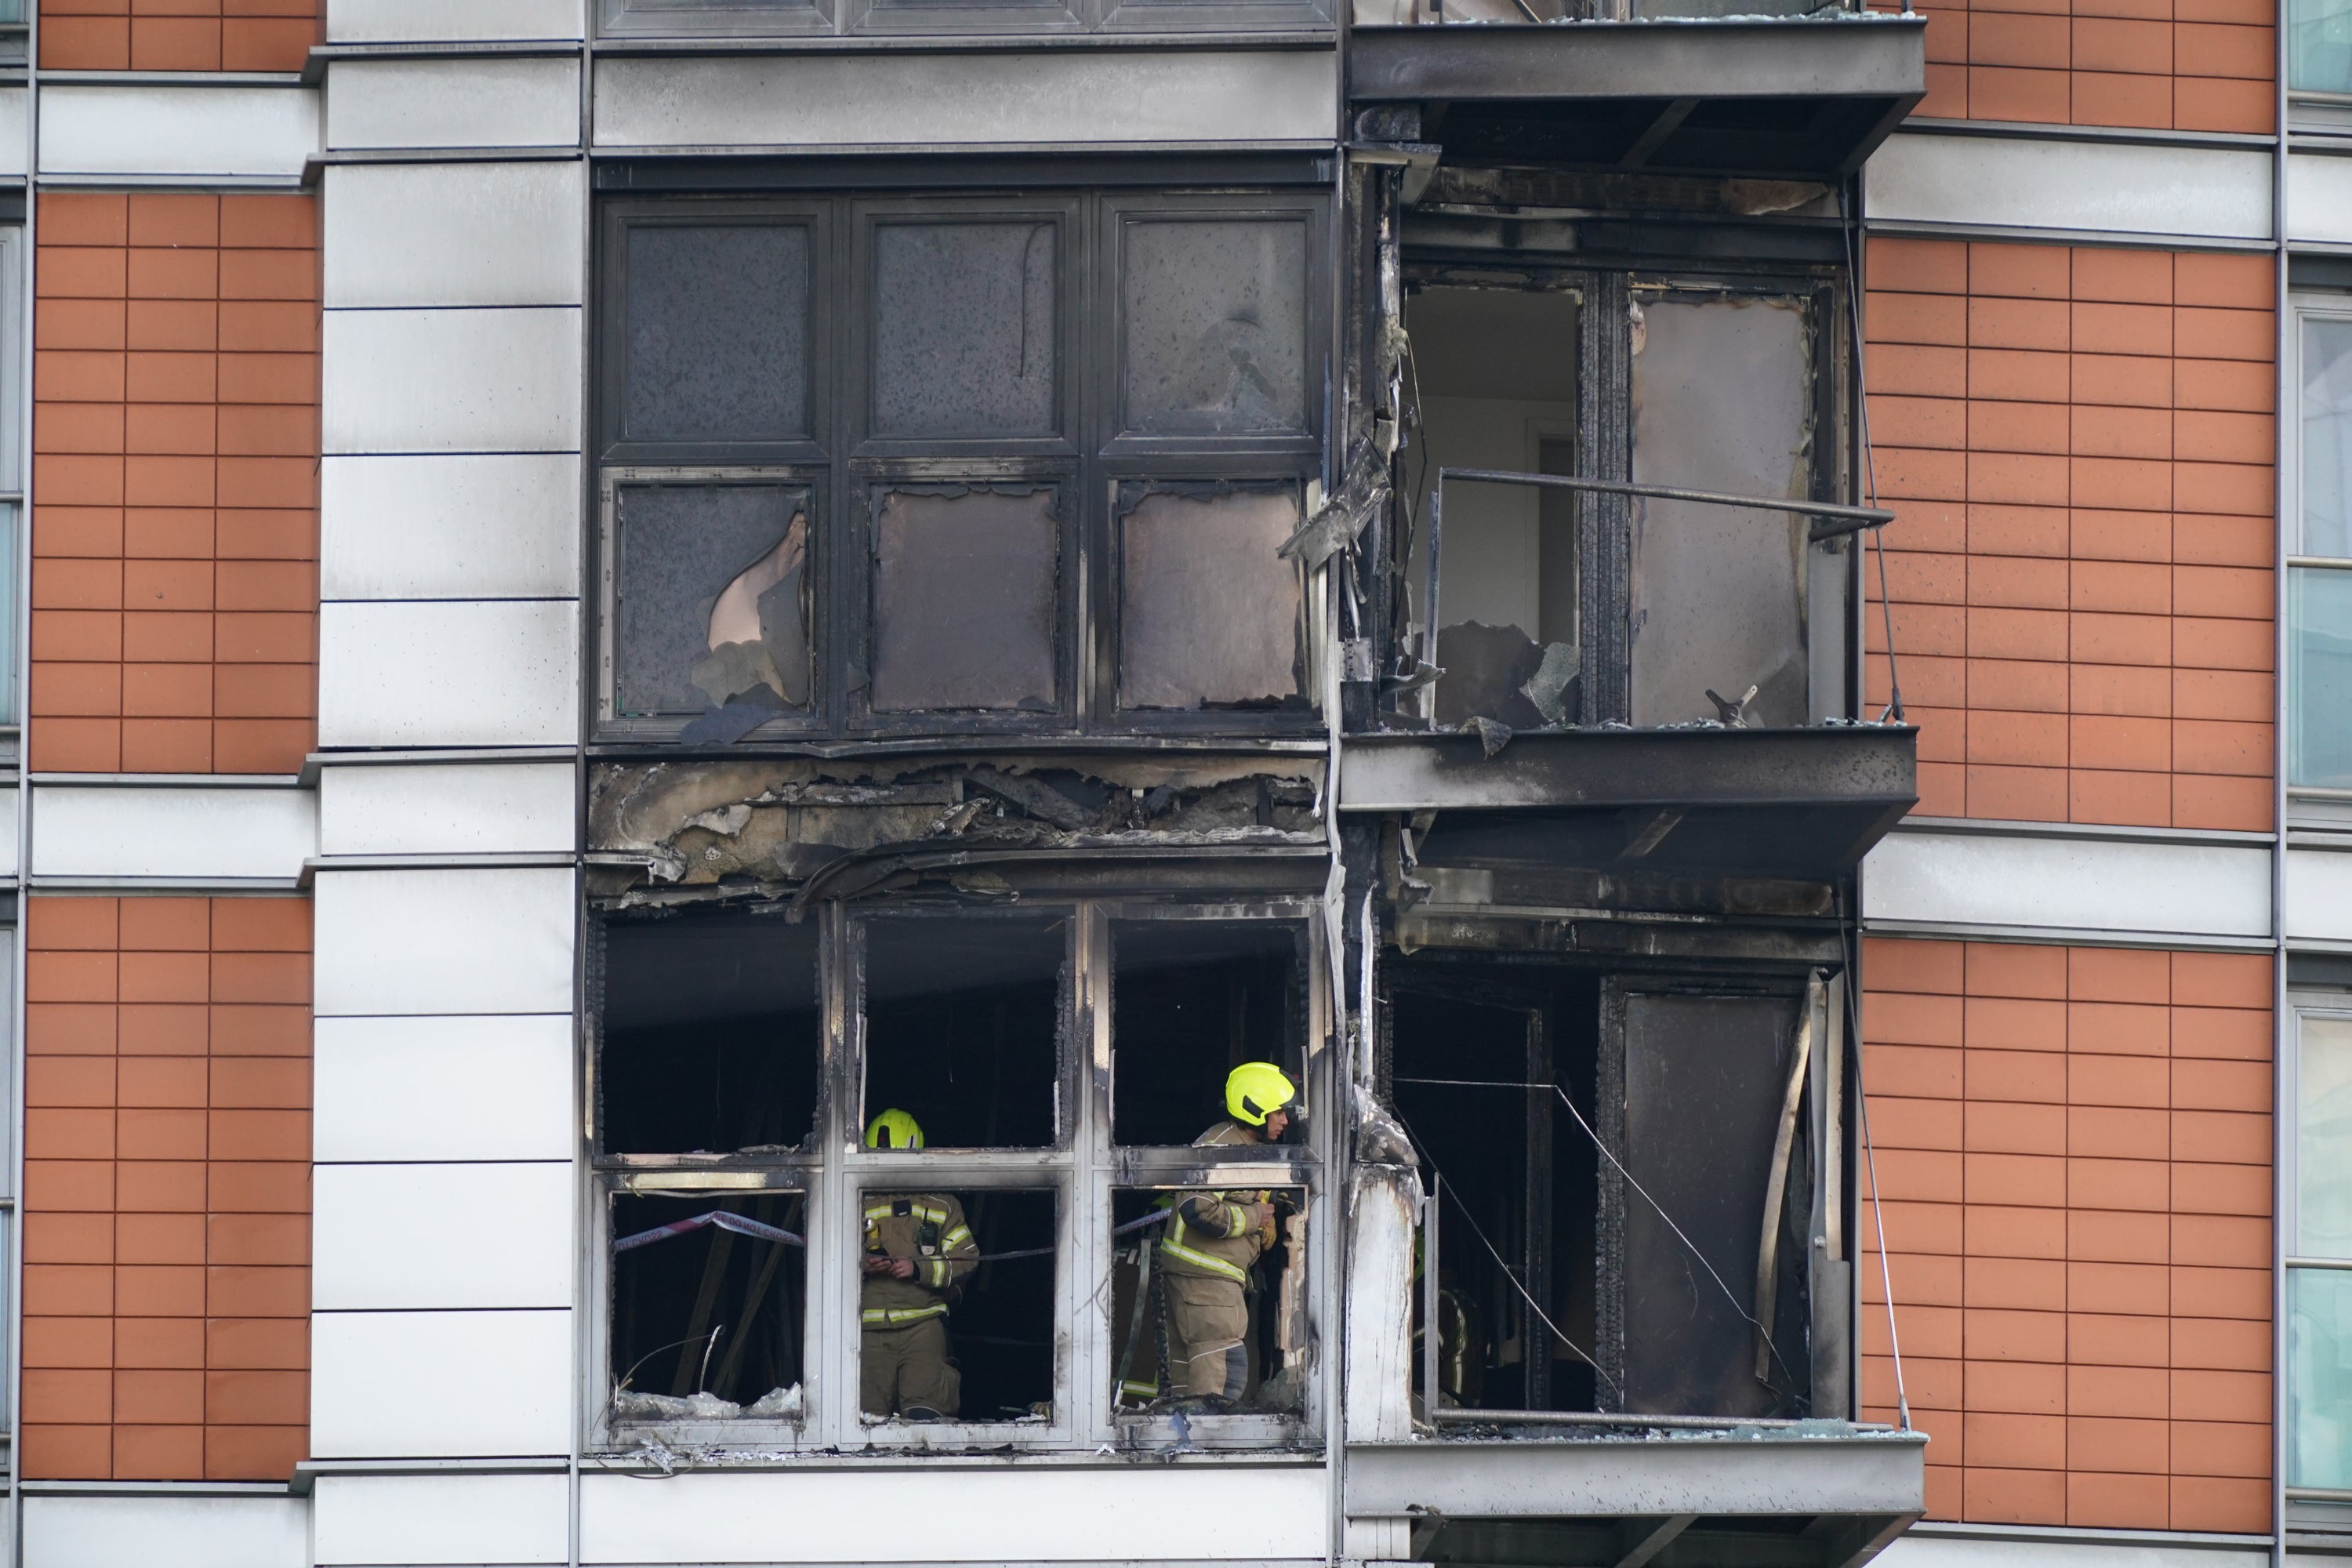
<point>1918,1550</point>
<point>969,96</point>
<point>2089,884</point>
<point>451,21</point>
<point>436,1519</point>
<point>162,830</point>
<point>1058,1515</point>
<point>475,526</point>
<point>446,808</point>
<point>502,672</point>
<point>2319,894</point>
<point>2319,197</point>
<point>454,233</point>
<point>420,103</point>
<point>14,124</point>
<point>402,1236</point>
<point>2015,182</point>
<point>223,133</point>
<point>442,1088</point>
<point>464,941</point>
<point>102,1531</point>
<point>439,1385</point>
<point>451,381</point>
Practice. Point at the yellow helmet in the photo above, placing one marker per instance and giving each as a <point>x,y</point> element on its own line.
<point>894,1129</point>
<point>1255,1089</point>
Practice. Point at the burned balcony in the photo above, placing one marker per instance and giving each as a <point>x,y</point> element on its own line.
<point>1641,84</point>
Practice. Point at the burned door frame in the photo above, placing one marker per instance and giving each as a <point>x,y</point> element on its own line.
<point>1608,285</point>
<point>1088,456</point>
<point>1084,1168</point>
<point>1824,1279</point>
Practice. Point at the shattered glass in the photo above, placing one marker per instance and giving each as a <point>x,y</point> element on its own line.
<point>1215,319</point>
<point>1209,614</point>
<point>1722,401</point>
<point>966,598</point>
<point>963,329</point>
<point>717,333</point>
<point>711,598</point>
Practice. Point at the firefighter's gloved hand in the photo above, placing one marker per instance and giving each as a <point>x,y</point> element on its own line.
<point>1261,1220</point>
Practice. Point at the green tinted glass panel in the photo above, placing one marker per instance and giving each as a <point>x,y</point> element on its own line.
<point>2326,438</point>
<point>2319,1378</point>
<point>2323,1148</point>
<point>2320,675</point>
<point>2319,46</point>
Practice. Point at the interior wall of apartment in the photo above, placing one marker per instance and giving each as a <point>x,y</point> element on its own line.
<point>2078,444</point>
<point>167,1188</point>
<point>2074,1148</point>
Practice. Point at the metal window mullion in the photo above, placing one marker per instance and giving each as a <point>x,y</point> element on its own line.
<point>831,1329</point>
<point>1085,1229</point>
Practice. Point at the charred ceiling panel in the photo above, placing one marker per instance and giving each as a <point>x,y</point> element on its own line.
<point>966,591</point>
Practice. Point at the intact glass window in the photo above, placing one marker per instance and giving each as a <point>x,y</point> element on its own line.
<point>2319,1276</point>
<point>2319,46</point>
<point>911,463</point>
<point>2319,585</point>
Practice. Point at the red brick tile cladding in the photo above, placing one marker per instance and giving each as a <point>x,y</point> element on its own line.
<point>2079,445</point>
<point>167,1188</point>
<point>2074,1146</point>
<point>178,34</point>
<point>2175,65</point>
<point>175,438</point>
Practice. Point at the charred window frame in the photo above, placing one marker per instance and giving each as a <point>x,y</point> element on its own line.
<point>1614,305</point>
<point>1180,362</point>
<point>817,1187</point>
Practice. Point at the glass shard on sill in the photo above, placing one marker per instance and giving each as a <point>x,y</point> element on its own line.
<point>1216,327</point>
<point>966,600</point>
<point>711,598</point>
<point>717,333</point>
<point>1500,674</point>
<point>964,318</point>
<point>1723,402</point>
<point>1209,613</point>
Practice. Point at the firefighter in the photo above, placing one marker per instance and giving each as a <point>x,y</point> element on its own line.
<point>1211,1242</point>
<point>917,1251</point>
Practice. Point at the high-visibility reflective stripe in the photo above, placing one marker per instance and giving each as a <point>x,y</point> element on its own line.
<point>956,1237</point>
<point>898,1317</point>
<point>1202,1259</point>
<point>1141,1390</point>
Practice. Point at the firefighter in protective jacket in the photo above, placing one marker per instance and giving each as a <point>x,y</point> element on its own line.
<point>918,1250</point>
<point>1211,1242</point>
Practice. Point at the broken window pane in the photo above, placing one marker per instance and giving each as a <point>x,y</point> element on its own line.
<point>1705,1079</point>
<point>966,599</point>
<point>1209,614</point>
<point>1215,318</point>
<point>1185,1335</point>
<point>706,1320</point>
<point>1191,1000</point>
<point>712,597</point>
<point>1508,1162</point>
<point>716,346</point>
<point>964,326</point>
<point>709,1034</point>
<point>1723,400</point>
<point>1496,374</point>
<point>956,1304</point>
<point>963,1027</point>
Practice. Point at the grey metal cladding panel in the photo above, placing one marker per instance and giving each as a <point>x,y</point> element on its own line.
<point>1014,98</point>
<point>1857,765</point>
<point>1878,57</point>
<point>1715,1474</point>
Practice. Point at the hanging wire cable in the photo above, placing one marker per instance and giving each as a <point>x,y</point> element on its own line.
<point>1869,457</point>
<point>1533,1306</point>
<point>1870,1163</point>
<point>1633,1181</point>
